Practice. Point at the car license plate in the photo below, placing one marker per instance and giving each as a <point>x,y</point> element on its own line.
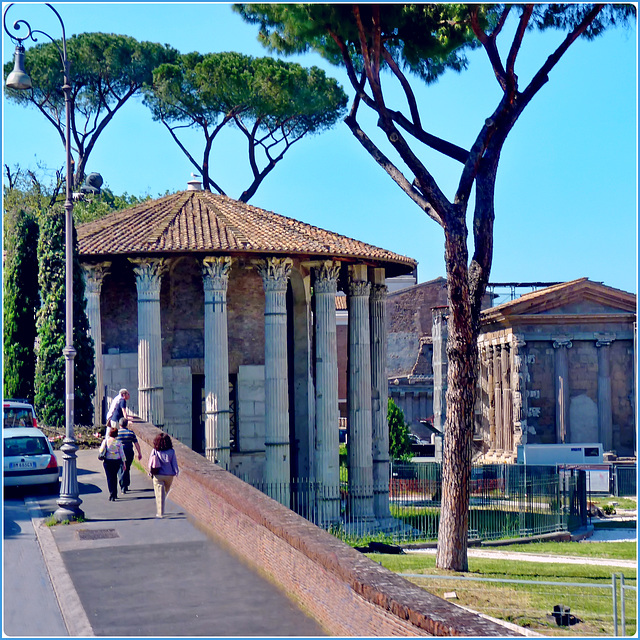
<point>24,464</point>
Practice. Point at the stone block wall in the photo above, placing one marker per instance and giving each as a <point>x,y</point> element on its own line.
<point>623,397</point>
<point>121,371</point>
<point>178,403</point>
<point>346,592</point>
<point>251,422</point>
<point>541,392</point>
<point>245,309</point>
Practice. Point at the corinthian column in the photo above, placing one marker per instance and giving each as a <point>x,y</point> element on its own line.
<point>507,407</point>
<point>360,453</point>
<point>497,396</point>
<point>491,400</point>
<point>275,276</point>
<point>380,392</point>
<point>327,459</point>
<point>93,275</point>
<point>215,277</point>
<point>439,334</point>
<point>605,417</point>
<point>519,390</point>
<point>149,274</point>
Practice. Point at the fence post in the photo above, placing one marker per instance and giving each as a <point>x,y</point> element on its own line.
<point>582,496</point>
<point>615,605</point>
<point>622,612</point>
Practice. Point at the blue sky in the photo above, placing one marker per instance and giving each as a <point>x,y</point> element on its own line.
<point>566,201</point>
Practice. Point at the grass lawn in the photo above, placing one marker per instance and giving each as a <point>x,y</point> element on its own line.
<point>618,550</point>
<point>620,503</point>
<point>530,605</point>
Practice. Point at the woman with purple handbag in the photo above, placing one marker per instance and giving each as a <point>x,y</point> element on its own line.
<point>163,468</point>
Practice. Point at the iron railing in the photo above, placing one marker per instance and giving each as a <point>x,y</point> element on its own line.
<point>625,480</point>
<point>505,501</point>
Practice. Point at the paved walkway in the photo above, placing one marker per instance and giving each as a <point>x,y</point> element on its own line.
<point>125,572</point>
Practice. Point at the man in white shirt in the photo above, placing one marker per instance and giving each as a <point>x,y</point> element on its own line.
<point>118,409</point>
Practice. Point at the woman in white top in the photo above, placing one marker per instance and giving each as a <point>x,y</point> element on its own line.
<point>113,460</point>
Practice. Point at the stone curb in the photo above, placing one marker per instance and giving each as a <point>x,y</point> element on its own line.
<point>71,608</point>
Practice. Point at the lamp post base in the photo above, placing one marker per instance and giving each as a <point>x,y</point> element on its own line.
<point>69,501</point>
<point>64,514</point>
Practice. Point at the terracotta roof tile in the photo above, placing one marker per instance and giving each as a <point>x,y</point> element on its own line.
<point>199,221</point>
<point>341,303</point>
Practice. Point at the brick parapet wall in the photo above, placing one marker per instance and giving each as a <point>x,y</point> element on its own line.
<point>346,592</point>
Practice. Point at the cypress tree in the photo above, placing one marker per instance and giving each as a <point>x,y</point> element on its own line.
<point>399,443</point>
<point>50,364</point>
<point>21,301</point>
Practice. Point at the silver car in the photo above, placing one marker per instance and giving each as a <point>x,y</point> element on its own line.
<point>28,458</point>
<point>18,413</point>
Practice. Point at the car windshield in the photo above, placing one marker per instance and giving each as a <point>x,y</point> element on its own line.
<point>25,446</point>
<point>16,417</point>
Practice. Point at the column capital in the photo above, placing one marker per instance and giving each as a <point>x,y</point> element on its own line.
<point>93,275</point>
<point>215,272</point>
<point>378,292</point>
<point>149,272</point>
<point>562,341</point>
<point>275,272</point>
<point>326,277</point>
<point>359,288</point>
<point>517,340</point>
<point>604,339</point>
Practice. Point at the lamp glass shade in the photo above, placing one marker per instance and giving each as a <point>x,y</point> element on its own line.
<point>18,78</point>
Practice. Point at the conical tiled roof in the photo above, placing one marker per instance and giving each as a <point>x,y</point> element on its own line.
<point>200,221</point>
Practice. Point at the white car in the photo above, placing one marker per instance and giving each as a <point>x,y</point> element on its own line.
<point>18,413</point>
<point>28,458</point>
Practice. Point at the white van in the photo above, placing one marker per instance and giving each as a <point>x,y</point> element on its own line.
<point>577,453</point>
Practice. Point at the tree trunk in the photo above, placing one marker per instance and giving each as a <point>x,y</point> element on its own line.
<point>462,355</point>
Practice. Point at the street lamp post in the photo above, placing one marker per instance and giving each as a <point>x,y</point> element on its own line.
<point>69,500</point>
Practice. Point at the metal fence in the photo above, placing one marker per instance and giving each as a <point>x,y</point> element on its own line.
<point>505,501</point>
<point>625,480</point>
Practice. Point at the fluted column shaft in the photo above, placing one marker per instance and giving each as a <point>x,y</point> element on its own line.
<point>360,452</point>
<point>507,408</point>
<point>380,393</point>
<point>93,277</point>
<point>215,276</point>
<point>497,395</point>
<point>562,389</point>
<point>150,385</point>
<point>491,400</point>
<point>605,417</point>
<point>275,276</point>
<point>327,459</point>
<point>519,390</point>
<point>439,333</point>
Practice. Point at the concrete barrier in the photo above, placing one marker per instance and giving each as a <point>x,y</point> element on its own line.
<point>346,592</point>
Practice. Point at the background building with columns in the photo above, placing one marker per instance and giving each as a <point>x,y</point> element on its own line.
<point>220,319</point>
<point>558,366</point>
